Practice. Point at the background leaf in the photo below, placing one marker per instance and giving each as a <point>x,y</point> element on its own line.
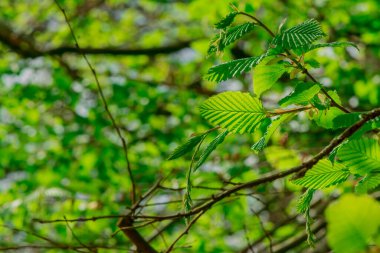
<point>351,222</point>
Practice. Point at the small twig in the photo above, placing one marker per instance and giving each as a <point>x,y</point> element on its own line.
<point>191,223</point>
<point>105,104</point>
<point>267,235</point>
<point>76,238</point>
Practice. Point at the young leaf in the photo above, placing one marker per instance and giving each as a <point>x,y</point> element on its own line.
<point>236,111</point>
<point>352,221</point>
<point>325,118</point>
<point>265,76</point>
<point>361,156</point>
<point>323,175</point>
<point>231,69</point>
<point>186,147</point>
<point>302,94</point>
<point>226,21</point>
<point>303,207</point>
<point>299,35</point>
<point>220,41</point>
<point>369,182</point>
<point>260,145</point>
<point>210,147</point>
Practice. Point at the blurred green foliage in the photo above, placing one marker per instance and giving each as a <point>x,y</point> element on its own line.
<point>61,157</point>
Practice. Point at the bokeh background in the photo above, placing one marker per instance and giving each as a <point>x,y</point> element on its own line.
<point>60,156</point>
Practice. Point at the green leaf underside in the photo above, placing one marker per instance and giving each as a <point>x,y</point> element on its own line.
<point>226,21</point>
<point>186,147</point>
<point>265,76</point>
<point>311,47</point>
<point>299,35</point>
<point>233,68</point>
<point>351,223</point>
<point>346,120</point>
<point>325,118</point>
<point>271,128</point>
<point>210,147</point>
<point>302,94</point>
<point>323,175</point>
<point>367,183</point>
<point>361,156</point>
<point>236,111</point>
<point>220,41</point>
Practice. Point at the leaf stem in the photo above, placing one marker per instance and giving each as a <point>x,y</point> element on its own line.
<point>300,66</point>
<point>280,112</point>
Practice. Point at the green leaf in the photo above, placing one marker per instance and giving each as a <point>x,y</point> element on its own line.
<point>346,120</point>
<point>210,147</point>
<point>231,69</point>
<point>361,156</point>
<point>325,118</point>
<point>226,21</point>
<point>369,182</point>
<point>299,35</point>
<point>220,41</point>
<point>303,207</point>
<point>351,223</point>
<point>186,147</point>
<point>236,111</point>
<point>270,129</point>
<point>302,94</point>
<point>323,175</point>
<point>303,203</point>
<point>265,76</point>
<point>309,48</point>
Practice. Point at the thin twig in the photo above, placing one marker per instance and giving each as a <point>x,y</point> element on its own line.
<point>191,223</point>
<point>105,104</point>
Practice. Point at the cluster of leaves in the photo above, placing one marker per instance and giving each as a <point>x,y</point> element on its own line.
<point>238,112</point>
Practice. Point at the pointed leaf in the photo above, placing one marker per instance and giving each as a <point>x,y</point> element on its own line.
<point>265,76</point>
<point>236,111</point>
<point>299,35</point>
<point>220,41</point>
<point>231,69</point>
<point>226,21</point>
<point>323,175</point>
<point>302,94</point>
<point>361,156</point>
<point>186,147</point>
<point>210,147</point>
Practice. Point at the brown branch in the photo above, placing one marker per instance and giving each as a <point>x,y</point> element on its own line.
<point>118,50</point>
<point>25,46</point>
<point>191,223</point>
